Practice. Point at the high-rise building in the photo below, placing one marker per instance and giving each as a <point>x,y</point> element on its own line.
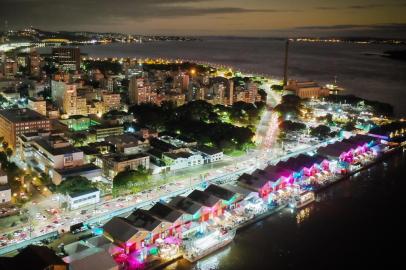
<point>10,68</point>
<point>110,84</point>
<point>34,65</point>
<point>72,103</point>
<point>14,122</point>
<point>185,82</point>
<point>65,95</point>
<point>229,94</point>
<point>139,90</point>
<point>67,58</point>
<point>252,92</point>
<point>111,101</point>
<point>22,60</point>
<point>37,104</point>
<point>285,68</point>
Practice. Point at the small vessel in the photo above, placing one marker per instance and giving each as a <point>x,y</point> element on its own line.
<point>334,88</point>
<point>208,244</point>
<point>303,199</point>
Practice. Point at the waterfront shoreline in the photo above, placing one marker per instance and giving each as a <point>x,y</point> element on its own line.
<point>270,212</point>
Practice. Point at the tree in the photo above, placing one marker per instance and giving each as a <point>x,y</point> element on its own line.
<point>9,152</point>
<point>127,178</point>
<point>292,100</point>
<point>74,184</point>
<point>277,87</point>
<point>291,126</point>
<point>3,159</point>
<point>349,126</point>
<point>287,111</point>
<point>320,131</point>
<point>263,94</point>
<point>5,144</point>
<point>79,138</point>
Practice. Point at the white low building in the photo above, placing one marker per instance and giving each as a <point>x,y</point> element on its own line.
<point>210,154</point>
<point>182,160</point>
<point>5,194</point>
<point>80,199</point>
<point>5,191</point>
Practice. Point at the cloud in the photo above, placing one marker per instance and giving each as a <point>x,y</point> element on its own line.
<point>361,6</point>
<point>386,26</point>
<point>66,14</point>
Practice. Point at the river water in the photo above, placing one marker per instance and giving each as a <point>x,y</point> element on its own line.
<point>354,224</point>
<point>368,76</point>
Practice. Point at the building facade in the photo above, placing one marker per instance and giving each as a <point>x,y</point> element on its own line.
<point>113,164</point>
<point>67,58</point>
<point>38,105</point>
<point>14,122</point>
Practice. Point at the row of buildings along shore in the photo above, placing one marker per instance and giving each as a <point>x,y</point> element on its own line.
<point>146,233</point>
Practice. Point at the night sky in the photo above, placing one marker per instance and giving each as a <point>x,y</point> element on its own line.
<point>385,18</point>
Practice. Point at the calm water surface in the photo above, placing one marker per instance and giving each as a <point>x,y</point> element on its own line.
<point>372,77</point>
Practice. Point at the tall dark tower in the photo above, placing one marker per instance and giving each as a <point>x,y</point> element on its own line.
<point>285,72</point>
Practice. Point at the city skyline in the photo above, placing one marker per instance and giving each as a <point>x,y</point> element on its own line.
<point>207,17</point>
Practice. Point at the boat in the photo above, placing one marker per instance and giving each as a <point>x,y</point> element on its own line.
<point>205,246</point>
<point>334,88</point>
<point>303,199</point>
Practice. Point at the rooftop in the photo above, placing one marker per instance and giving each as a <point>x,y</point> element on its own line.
<point>161,145</point>
<point>252,181</point>
<point>4,187</point>
<point>120,229</point>
<point>143,220</point>
<point>208,150</point>
<point>98,260</point>
<point>220,192</point>
<point>22,115</point>
<point>238,189</point>
<point>124,138</point>
<point>78,170</point>
<point>47,146</point>
<point>185,205</point>
<point>121,158</point>
<point>203,198</point>
<point>165,212</point>
<point>178,155</point>
<point>32,257</point>
<point>296,164</point>
<point>81,193</point>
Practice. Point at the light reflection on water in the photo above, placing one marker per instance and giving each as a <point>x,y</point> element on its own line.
<point>304,214</point>
<point>212,262</point>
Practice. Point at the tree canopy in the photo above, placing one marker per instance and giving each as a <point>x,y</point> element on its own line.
<point>291,126</point>
<point>74,184</point>
<point>320,131</point>
<point>126,178</point>
<point>217,125</point>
